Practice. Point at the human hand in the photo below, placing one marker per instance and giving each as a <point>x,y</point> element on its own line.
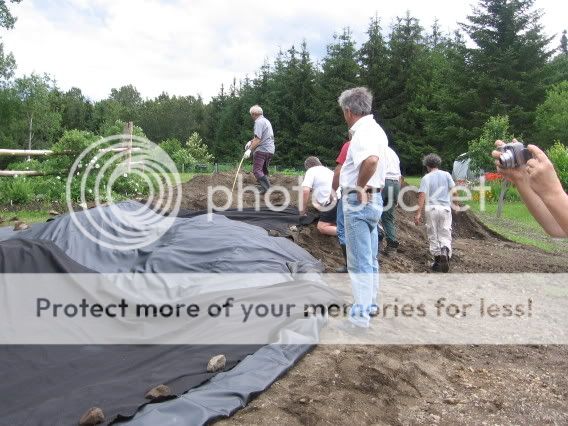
<point>248,144</point>
<point>514,175</point>
<point>362,197</point>
<point>542,177</point>
<point>418,218</point>
<point>247,153</point>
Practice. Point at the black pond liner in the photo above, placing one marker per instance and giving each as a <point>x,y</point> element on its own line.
<point>56,384</point>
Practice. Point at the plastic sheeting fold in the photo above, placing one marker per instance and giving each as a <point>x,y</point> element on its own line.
<point>48,385</point>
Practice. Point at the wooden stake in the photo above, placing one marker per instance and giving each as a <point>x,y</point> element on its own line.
<point>504,188</point>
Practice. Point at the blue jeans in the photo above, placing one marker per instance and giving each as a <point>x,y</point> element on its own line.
<point>362,240</point>
<point>340,222</point>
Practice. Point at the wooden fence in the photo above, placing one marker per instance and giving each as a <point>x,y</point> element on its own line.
<point>47,152</point>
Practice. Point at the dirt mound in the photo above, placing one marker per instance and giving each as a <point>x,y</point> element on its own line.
<point>476,248</point>
<point>195,192</point>
<point>415,384</point>
<point>408,385</point>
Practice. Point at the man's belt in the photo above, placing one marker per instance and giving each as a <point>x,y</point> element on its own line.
<point>368,191</point>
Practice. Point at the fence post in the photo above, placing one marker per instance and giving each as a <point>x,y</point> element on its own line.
<point>504,187</point>
<point>130,126</point>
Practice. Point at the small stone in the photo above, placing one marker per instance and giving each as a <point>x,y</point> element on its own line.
<point>159,391</point>
<point>302,400</point>
<point>20,226</point>
<point>273,233</point>
<point>93,416</point>
<point>54,213</point>
<point>336,352</point>
<point>217,363</point>
<point>451,401</point>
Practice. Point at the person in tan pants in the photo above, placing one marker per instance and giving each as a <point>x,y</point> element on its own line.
<point>434,197</point>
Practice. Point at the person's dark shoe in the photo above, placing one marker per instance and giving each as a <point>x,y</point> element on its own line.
<point>391,247</point>
<point>436,264</point>
<point>343,269</point>
<point>445,260</point>
<point>265,184</point>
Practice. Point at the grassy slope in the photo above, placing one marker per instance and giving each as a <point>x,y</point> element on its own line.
<point>28,216</point>
<point>516,223</point>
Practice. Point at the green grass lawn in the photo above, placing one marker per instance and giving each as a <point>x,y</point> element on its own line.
<point>517,224</point>
<point>413,180</point>
<point>186,177</point>
<point>28,216</point>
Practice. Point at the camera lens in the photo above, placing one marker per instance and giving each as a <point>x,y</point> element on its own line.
<point>507,160</point>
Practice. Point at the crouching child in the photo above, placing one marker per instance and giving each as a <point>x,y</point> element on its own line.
<point>434,197</point>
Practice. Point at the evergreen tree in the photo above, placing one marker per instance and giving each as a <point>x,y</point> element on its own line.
<point>406,90</point>
<point>340,71</point>
<point>508,62</point>
<point>446,109</point>
<point>374,62</point>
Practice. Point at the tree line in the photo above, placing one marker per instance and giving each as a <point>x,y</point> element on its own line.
<point>433,92</point>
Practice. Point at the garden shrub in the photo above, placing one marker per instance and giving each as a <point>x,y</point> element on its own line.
<point>558,154</point>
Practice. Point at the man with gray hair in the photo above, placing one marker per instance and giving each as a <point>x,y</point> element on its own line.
<point>262,145</point>
<point>434,196</point>
<point>362,178</point>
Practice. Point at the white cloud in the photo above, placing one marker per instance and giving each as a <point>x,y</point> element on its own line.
<point>192,46</point>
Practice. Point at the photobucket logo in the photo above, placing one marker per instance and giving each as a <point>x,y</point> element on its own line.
<point>252,195</point>
<point>128,166</point>
<point>221,198</point>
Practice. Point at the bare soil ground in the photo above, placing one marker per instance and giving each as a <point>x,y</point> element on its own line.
<point>485,385</point>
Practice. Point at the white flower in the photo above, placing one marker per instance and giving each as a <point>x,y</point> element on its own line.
<point>59,177</point>
<point>97,166</point>
<point>125,175</point>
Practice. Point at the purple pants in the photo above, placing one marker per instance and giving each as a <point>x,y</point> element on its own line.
<point>261,161</point>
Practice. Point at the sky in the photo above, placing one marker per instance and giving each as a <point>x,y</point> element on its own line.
<point>190,47</point>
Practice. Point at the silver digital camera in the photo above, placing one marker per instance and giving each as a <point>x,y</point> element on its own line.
<point>514,154</point>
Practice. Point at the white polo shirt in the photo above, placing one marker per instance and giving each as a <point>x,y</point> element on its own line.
<point>392,164</point>
<point>319,179</point>
<point>369,139</point>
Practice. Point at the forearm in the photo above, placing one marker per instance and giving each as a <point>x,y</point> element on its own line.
<point>545,213</point>
<point>421,202</point>
<point>336,173</point>
<point>367,170</point>
<point>305,200</point>
<point>255,143</point>
<point>557,205</point>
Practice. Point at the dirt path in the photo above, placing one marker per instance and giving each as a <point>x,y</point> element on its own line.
<point>416,384</point>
